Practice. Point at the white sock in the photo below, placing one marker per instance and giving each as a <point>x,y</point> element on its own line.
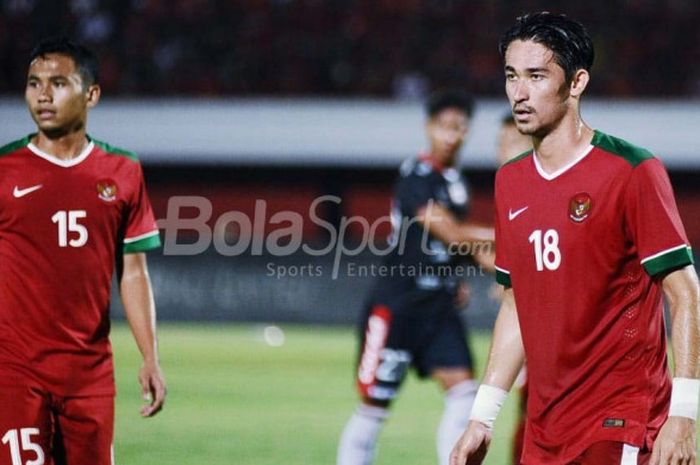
<point>358,441</point>
<point>458,406</point>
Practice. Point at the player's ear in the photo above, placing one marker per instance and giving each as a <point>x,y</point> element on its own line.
<point>467,127</point>
<point>579,82</point>
<point>93,95</point>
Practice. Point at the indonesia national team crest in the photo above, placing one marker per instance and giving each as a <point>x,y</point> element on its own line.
<point>107,190</point>
<point>580,207</point>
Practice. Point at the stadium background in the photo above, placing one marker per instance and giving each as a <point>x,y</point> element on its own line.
<point>284,101</point>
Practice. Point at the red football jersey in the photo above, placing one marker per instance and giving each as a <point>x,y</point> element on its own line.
<point>582,249</point>
<point>62,226</point>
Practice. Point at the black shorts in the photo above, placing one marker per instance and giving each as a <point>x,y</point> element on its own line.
<point>419,329</point>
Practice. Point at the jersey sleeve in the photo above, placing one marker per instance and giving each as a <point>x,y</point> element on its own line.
<point>412,193</point>
<point>502,268</point>
<point>653,221</point>
<point>141,230</point>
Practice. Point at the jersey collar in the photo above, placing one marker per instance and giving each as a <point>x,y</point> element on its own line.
<point>563,169</point>
<point>58,161</point>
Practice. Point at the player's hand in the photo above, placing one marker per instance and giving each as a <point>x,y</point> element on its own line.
<point>152,388</point>
<point>472,446</point>
<point>675,444</point>
<point>463,295</point>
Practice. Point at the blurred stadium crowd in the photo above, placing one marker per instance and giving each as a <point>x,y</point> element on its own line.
<point>399,48</point>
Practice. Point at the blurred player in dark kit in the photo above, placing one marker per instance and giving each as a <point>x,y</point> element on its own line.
<point>411,317</point>
<point>73,208</point>
<point>588,242</point>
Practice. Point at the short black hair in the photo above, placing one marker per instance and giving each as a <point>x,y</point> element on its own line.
<point>452,98</point>
<point>85,59</point>
<point>566,38</point>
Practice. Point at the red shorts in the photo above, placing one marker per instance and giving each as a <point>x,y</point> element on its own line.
<point>612,453</point>
<point>38,428</point>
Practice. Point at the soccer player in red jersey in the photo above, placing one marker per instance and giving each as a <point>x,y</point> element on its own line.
<point>73,209</point>
<point>588,242</point>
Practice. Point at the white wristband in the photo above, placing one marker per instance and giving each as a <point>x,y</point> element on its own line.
<point>684,398</point>
<point>487,404</point>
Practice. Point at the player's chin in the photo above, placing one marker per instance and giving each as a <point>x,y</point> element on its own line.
<point>526,128</point>
<point>448,153</point>
<point>47,125</point>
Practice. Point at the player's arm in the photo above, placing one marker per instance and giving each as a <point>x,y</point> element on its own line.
<point>443,225</point>
<point>139,306</point>
<point>676,442</point>
<point>486,258</point>
<point>505,361</point>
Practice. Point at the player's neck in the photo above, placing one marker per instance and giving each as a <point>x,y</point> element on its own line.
<point>437,163</point>
<point>64,147</point>
<point>562,145</point>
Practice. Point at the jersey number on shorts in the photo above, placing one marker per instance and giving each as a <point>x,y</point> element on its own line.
<point>24,437</point>
<point>547,253</point>
<point>67,222</point>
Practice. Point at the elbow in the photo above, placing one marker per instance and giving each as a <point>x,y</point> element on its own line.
<point>134,276</point>
<point>682,293</point>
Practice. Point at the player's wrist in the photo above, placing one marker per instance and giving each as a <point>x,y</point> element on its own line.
<point>151,360</point>
<point>684,398</point>
<point>487,405</point>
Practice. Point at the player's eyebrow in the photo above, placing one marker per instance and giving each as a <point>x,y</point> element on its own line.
<point>533,70</point>
<point>536,70</point>
<point>53,77</point>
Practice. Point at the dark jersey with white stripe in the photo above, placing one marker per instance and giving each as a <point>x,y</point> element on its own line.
<point>419,260</point>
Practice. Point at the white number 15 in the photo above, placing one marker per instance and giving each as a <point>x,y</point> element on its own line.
<point>23,437</point>
<point>67,221</point>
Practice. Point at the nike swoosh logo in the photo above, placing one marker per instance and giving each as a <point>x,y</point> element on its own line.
<point>22,192</point>
<point>514,214</point>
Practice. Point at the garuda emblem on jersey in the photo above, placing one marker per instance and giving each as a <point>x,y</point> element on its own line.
<point>580,207</point>
<point>107,190</point>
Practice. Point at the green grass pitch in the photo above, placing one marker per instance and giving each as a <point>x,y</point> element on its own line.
<point>234,399</point>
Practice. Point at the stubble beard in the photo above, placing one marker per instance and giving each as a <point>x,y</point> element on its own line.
<point>56,132</point>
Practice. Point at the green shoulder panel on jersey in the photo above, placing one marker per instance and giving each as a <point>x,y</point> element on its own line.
<point>519,157</point>
<point>668,260</point>
<point>114,150</point>
<point>12,146</point>
<point>503,278</point>
<point>142,244</point>
<point>633,154</point>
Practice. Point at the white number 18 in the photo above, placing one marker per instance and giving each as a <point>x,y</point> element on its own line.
<point>548,256</point>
